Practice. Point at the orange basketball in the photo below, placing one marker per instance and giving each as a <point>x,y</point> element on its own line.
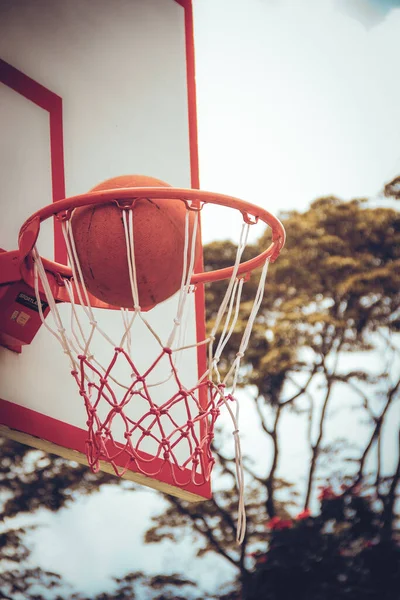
<point>159,236</point>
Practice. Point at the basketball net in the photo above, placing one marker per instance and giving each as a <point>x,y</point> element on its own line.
<point>114,385</point>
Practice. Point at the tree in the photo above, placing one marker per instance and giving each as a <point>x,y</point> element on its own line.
<point>392,189</point>
<point>29,480</point>
<point>337,554</point>
<point>333,294</point>
<point>335,290</point>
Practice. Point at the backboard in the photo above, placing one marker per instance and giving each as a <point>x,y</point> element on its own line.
<point>88,91</point>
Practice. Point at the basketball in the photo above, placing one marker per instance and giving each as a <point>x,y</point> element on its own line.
<point>159,237</point>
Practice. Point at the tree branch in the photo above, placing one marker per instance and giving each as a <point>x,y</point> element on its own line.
<point>204,530</point>
<point>261,415</point>
<point>315,448</point>
<point>389,502</point>
<point>302,389</point>
<point>375,433</point>
<point>270,481</point>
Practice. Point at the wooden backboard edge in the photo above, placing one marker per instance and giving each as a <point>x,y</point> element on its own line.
<point>74,455</point>
<point>61,435</point>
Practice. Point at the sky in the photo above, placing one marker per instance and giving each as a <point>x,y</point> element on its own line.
<point>296,100</point>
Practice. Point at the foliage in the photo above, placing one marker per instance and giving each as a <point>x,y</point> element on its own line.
<point>337,554</point>
<point>392,189</point>
<point>31,479</point>
<point>335,290</point>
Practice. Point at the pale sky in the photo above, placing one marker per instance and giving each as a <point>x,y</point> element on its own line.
<point>296,99</point>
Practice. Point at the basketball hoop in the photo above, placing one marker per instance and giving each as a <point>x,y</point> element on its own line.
<point>126,414</point>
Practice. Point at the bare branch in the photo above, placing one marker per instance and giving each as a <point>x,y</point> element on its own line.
<point>389,502</point>
<point>262,416</point>
<point>302,389</point>
<point>376,432</point>
<point>202,527</point>
<point>379,464</point>
<point>315,448</point>
<point>270,481</point>
<point>364,398</point>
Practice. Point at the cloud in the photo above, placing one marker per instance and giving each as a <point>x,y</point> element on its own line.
<point>368,12</point>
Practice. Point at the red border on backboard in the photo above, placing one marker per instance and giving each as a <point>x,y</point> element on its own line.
<point>24,419</point>
<point>52,103</point>
<point>68,436</point>
<point>195,182</point>
<point>191,85</point>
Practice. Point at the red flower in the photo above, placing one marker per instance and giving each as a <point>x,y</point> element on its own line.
<point>276,523</point>
<point>285,524</point>
<point>262,559</point>
<point>326,493</point>
<point>259,557</point>
<point>304,514</point>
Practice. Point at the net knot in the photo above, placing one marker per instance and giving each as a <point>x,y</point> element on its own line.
<point>165,443</point>
<point>240,354</point>
<point>154,411</point>
<point>190,424</point>
<point>103,380</point>
<point>137,308</point>
<point>93,322</point>
<point>177,321</point>
<point>117,408</point>
<point>235,432</point>
<point>215,412</point>
<point>167,350</point>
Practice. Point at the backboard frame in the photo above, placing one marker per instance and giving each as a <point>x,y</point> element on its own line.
<point>28,426</point>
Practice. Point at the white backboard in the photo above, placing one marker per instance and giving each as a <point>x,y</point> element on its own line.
<point>89,89</point>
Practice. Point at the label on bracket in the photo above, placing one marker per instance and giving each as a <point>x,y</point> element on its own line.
<point>30,301</point>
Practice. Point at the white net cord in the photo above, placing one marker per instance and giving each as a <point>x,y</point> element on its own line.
<point>77,344</point>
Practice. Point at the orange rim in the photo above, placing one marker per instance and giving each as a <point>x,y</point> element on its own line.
<point>125,198</point>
